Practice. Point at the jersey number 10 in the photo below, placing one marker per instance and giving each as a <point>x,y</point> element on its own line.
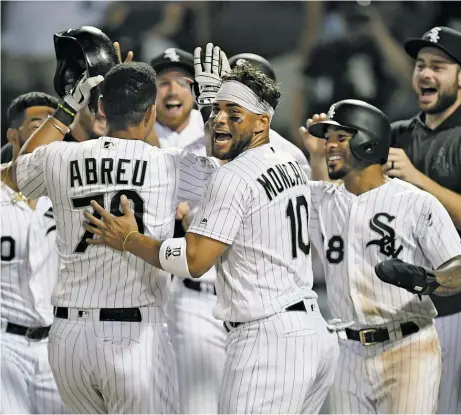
<point>296,225</point>
<point>138,207</point>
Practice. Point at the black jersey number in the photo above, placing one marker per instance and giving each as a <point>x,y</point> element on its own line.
<point>8,248</point>
<point>138,207</point>
<point>335,251</point>
<point>296,215</point>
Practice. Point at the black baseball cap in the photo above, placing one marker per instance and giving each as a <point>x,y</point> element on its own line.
<point>173,58</point>
<point>444,38</point>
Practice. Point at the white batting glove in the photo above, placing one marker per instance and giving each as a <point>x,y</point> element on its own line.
<point>208,75</point>
<point>79,96</point>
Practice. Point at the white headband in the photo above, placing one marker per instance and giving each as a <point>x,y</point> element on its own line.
<point>240,94</point>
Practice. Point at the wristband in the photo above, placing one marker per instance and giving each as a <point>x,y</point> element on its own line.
<point>64,114</point>
<point>173,257</point>
<point>50,120</point>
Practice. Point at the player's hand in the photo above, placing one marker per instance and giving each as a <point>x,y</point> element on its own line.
<point>209,71</point>
<point>399,165</point>
<point>129,55</point>
<point>182,210</point>
<point>112,230</point>
<point>413,278</point>
<point>314,145</point>
<point>80,95</point>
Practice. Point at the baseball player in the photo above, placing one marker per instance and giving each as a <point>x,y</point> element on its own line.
<point>252,222</point>
<point>390,360</point>
<point>109,347</point>
<point>73,48</point>
<point>28,273</point>
<point>276,139</point>
<point>426,151</point>
<point>198,339</point>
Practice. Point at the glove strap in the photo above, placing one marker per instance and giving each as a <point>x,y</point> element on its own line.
<point>64,113</point>
<point>431,283</point>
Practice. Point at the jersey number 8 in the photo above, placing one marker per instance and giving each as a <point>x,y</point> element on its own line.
<point>138,207</point>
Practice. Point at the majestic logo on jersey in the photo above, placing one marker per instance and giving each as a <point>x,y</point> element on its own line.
<point>109,145</point>
<point>433,35</point>
<point>174,252</point>
<point>172,55</point>
<point>204,221</point>
<point>387,242</point>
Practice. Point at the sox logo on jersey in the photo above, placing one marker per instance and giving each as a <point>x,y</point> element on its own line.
<point>123,344</point>
<point>415,227</point>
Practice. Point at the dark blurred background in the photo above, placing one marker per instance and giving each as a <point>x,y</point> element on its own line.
<point>321,51</point>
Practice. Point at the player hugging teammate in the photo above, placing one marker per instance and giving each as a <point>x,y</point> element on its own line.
<point>385,244</point>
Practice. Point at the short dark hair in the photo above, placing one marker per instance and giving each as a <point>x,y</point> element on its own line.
<point>17,109</point>
<point>263,86</point>
<point>128,91</point>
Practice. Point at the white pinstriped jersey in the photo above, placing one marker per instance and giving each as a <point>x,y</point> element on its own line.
<point>258,204</point>
<point>29,260</point>
<point>282,144</point>
<point>190,139</point>
<point>72,174</point>
<point>354,233</point>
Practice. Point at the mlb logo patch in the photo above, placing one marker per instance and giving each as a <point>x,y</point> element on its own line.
<point>109,145</point>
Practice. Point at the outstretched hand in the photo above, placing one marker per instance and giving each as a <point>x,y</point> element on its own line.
<point>111,230</point>
<point>208,73</point>
<point>129,55</point>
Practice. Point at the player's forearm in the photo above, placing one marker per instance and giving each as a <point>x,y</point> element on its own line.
<point>449,278</point>
<point>145,248</point>
<point>319,168</point>
<point>449,199</point>
<point>51,130</point>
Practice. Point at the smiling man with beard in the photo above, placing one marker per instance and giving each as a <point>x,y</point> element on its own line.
<point>178,124</point>
<point>427,153</point>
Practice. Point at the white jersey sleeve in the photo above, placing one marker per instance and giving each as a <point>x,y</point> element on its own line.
<point>30,173</point>
<point>437,235</point>
<point>226,199</point>
<point>194,172</point>
<point>319,190</point>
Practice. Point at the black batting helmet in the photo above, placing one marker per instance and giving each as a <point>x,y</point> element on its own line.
<point>78,50</point>
<point>371,128</point>
<point>255,61</point>
<point>173,57</point>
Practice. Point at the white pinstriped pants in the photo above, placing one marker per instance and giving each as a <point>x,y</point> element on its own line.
<point>281,364</point>
<point>199,341</point>
<point>27,384</point>
<point>114,367</point>
<point>449,330</point>
<point>395,377</point>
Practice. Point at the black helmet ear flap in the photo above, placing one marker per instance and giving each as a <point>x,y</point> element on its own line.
<point>78,50</point>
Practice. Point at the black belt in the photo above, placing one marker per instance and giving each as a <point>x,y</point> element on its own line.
<point>32,333</point>
<point>105,314</point>
<point>372,336</point>
<point>294,307</point>
<point>200,286</point>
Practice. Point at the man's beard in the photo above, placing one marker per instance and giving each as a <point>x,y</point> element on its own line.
<point>338,174</point>
<point>445,101</point>
<point>237,148</point>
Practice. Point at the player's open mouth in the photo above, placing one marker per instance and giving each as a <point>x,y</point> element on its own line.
<point>173,106</point>
<point>427,93</point>
<point>222,136</point>
<point>333,159</point>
